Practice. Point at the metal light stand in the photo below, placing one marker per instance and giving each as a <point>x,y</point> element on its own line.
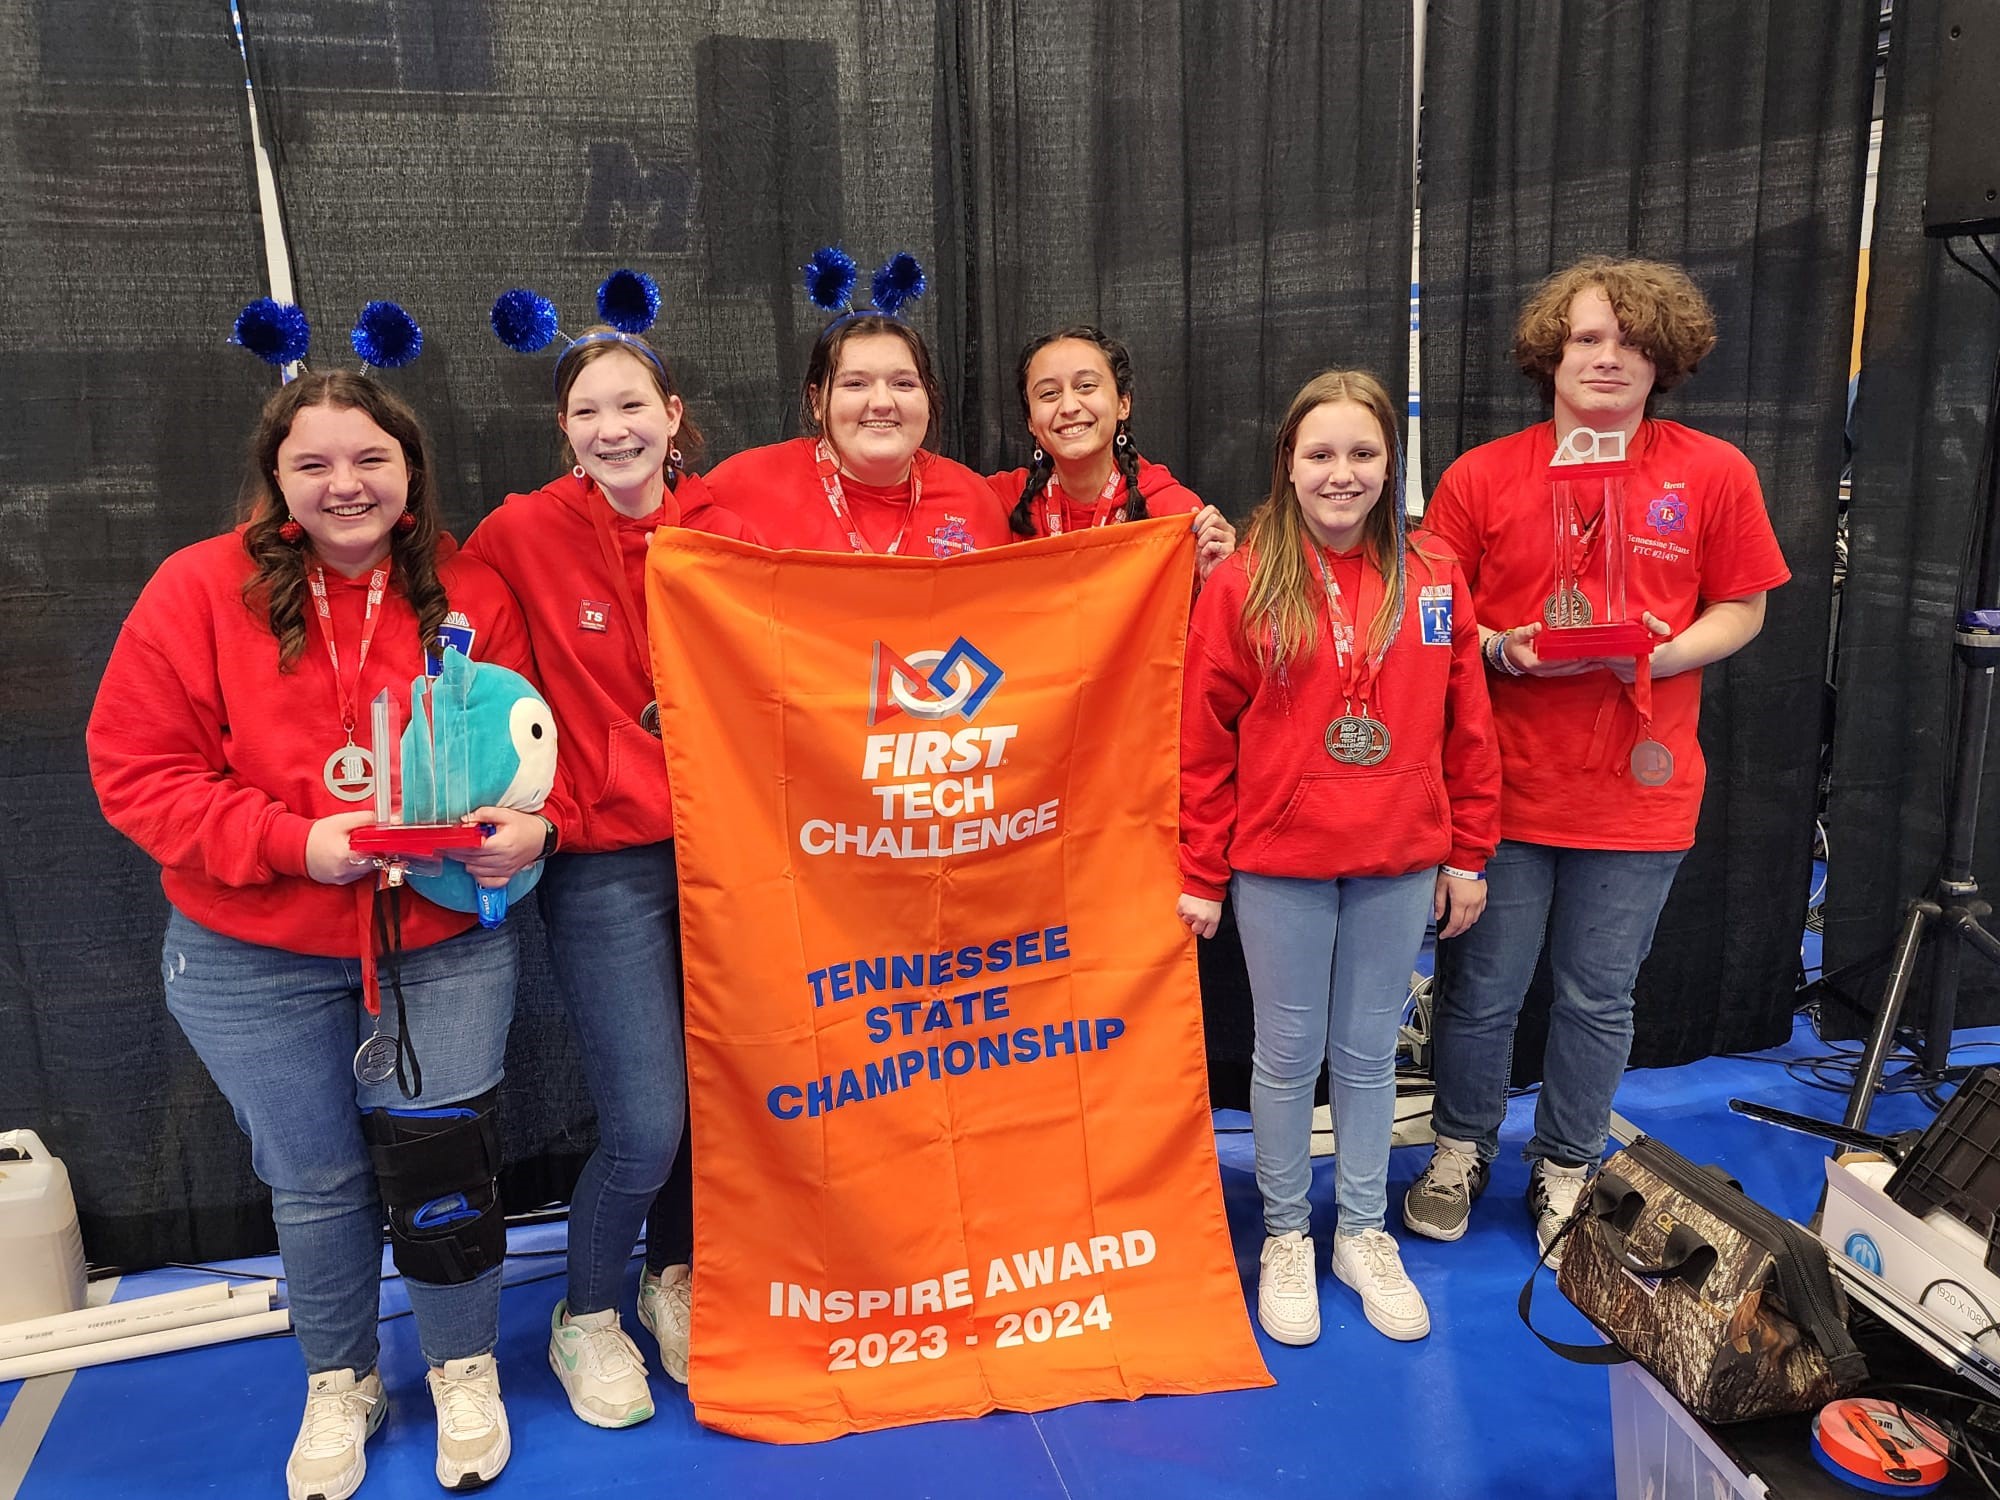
<point>1951,913</point>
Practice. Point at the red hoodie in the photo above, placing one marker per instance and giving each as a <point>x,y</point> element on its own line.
<point>1259,791</point>
<point>777,492</point>
<point>1164,496</point>
<point>213,761</point>
<point>548,547</point>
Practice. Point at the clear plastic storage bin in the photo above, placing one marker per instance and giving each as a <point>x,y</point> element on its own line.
<point>1659,1450</point>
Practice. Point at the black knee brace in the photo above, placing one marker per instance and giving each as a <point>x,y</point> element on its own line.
<point>436,1169</point>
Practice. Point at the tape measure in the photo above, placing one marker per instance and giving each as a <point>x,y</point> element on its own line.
<point>1879,1447</point>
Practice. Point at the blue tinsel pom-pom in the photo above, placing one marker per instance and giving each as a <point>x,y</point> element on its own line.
<point>629,301</point>
<point>386,337</point>
<point>524,321</point>
<point>899,282</point>
<point>830,278</point>
<point>273,331</point>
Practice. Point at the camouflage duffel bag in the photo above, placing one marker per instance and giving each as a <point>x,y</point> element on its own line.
<point>1730,1307</point>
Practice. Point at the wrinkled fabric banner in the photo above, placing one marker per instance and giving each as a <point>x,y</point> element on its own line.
<point>952,1149</point>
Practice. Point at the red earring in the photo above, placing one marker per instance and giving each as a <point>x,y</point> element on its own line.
<point>291,532</point>
<point>406,522</point>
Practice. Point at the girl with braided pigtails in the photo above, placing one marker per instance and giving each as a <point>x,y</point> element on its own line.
<point>1075,386</point>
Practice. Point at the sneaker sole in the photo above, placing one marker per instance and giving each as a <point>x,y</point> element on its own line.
<point>1431,1231</point>
<point>676,1369</point>
<point>453,1478</point>
<point>631,1420</point>
<point>1295,1334</point>
<point>1403,1333</point>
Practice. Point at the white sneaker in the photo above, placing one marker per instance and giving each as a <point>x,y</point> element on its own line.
<point>1371,1264</point>
<point>666,1307</point>
<point>599,1367</point>
<point>341,1415</point>
<point>1288,1289</point>
<point>473,1442</point>
<point>1553,1193</point>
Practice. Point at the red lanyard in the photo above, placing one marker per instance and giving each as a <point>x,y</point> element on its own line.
<point>1580,539</point>
<point>378,582</point>
<point>1052,504</point>
<point>836,496</point>
<point>614,562</point>
<point>1357,671</point>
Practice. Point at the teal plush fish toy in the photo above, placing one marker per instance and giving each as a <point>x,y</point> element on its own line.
<point>479,736</point>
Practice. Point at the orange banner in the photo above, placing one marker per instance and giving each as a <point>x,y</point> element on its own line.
<point>952,1148</point>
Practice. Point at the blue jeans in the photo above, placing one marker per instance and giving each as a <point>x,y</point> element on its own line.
<point>277,1033</point>
<point>1329,964</point>
<point>614,921</point>
<point>1597,909</point>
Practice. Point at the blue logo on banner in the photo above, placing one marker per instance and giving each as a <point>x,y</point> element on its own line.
<point>1861,1250</point>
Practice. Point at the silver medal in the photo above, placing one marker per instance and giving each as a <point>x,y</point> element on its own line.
<point>1652,763</point>
<point>1566,606</point>
<point>375,1059</point>
<point>350,773</point>
<point>1357,740</point>
<point>649,719</point>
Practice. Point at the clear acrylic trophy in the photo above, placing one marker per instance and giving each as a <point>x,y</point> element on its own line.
<point>1586,614</point>
<point>415,825</point>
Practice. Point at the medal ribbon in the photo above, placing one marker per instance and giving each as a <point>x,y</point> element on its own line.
<point>614,564</point>
<point>1357,671</point>
<point>1580,540</point>
<point>836,497</point>
<point>1052,508</point>
<point>378,583</point>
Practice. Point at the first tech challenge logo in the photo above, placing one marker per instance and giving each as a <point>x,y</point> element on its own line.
<point>937,789</point>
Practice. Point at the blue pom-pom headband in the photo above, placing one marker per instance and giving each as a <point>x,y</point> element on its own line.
<point>525,321</point>
<point>831,274</point>
<point>384,336</point>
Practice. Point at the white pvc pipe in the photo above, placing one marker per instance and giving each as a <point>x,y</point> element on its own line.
<point>163,1342</point>
<point>92,1325</point>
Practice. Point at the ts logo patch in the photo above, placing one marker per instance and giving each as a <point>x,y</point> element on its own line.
<point>1667,515</point>
<point>1434,610</point>
<point>931,684</point>
<point>592,615</point>
<point>456,635</point>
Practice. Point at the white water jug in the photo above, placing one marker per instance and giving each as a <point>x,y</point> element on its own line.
<point>41,1251</point>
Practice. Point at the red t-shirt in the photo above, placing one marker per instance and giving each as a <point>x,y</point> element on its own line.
<point>777,492</point>
<point>1696,534</point>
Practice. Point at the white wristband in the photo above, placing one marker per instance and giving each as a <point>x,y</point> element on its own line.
<point>1457,874</point>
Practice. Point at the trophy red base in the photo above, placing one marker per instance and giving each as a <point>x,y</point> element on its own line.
<point>412,842</point>
<point>1625,638</point>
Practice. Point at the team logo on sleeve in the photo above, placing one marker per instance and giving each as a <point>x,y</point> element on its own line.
<point>931,685</point>
<point>456,635</point>
<point>1434,611</point>
<point>1667,515</point>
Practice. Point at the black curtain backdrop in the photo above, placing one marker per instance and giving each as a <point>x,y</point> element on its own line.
<point>132,237</point>
<point>1730,137</point>
<point>1919,421</point>
<point>1226,188</point>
